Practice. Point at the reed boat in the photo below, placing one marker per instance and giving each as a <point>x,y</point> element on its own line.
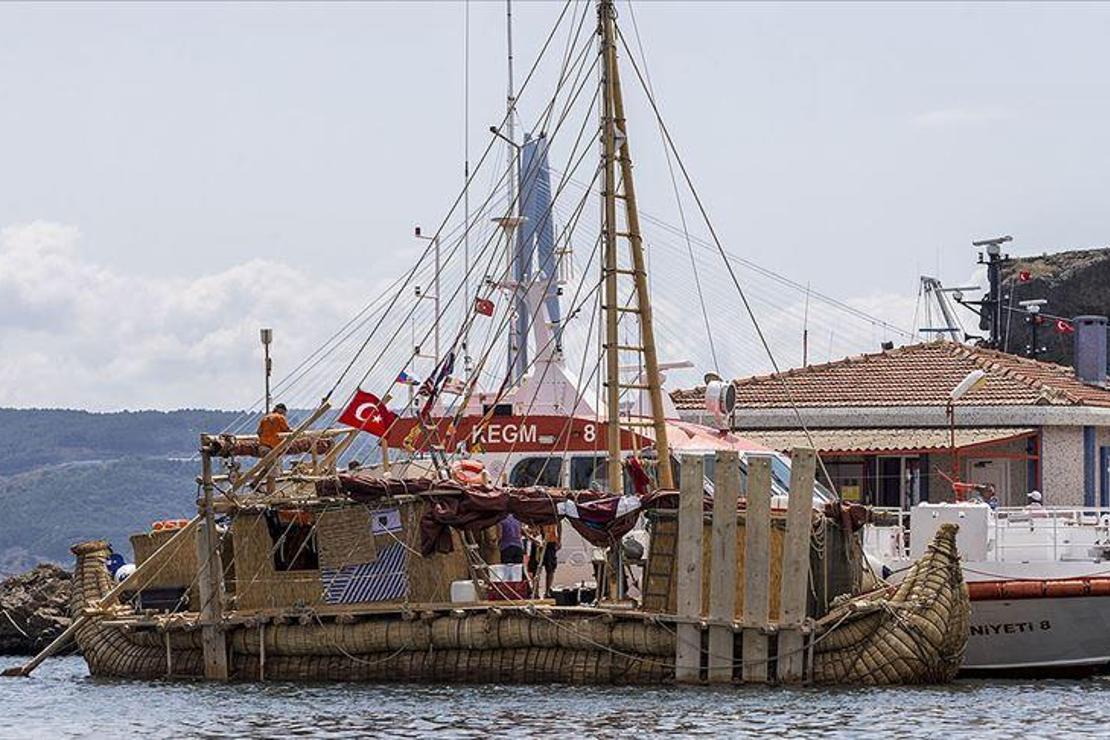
<point>914,633</point>
<point>302,565</point>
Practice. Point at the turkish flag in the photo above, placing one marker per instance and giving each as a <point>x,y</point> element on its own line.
<point>1064,327</point>
<point>483,306</point>
<point>1024,276</point>
<point>367,412</point>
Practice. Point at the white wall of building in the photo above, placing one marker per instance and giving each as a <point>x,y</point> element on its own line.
<point>1062,465</point>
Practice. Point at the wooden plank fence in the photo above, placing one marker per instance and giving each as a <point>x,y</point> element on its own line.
<point>687,666</point>
<point>725,569</point>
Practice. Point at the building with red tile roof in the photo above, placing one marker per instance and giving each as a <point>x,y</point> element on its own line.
<point>879,421</point>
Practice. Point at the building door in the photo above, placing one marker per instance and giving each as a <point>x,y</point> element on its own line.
<point>996,472</point>
<point>899,482</point>
<point>889,488</point>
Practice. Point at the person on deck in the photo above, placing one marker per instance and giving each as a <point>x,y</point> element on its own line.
<point>271,427</point>
<point>545,541</point>
<point>1036,500</point>
<point>512,542</point>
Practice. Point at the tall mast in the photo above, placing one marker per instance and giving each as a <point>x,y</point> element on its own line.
<point>512,220</point>
<point>467,300</point>
<point>615,153</point>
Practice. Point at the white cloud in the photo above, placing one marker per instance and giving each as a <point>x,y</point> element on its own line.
<point>73,333</point>
<point>76,334</point>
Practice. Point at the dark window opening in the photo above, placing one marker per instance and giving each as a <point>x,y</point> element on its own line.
<point>537,471</point>
<point>501,409</point>
<point>593,472</point>
<point>293,535</point>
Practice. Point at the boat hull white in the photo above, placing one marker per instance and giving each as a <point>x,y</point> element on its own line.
<point>1039,634</point>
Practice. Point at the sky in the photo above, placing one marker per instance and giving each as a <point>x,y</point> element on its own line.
<point>175,175</point>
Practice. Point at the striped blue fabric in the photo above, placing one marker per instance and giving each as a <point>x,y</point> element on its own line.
<point>383,579</point>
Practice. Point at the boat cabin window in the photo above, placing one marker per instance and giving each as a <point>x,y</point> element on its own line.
<point>593,472</point>
<point>294,539</point>
<point>537,471</point>
<point>501,409</point>
<point>780,477</point>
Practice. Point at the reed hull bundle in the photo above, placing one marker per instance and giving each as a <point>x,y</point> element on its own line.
<point>918,634</point>
<point>915,635</point>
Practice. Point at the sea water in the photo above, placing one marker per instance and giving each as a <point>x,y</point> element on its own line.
<point>61,700</point>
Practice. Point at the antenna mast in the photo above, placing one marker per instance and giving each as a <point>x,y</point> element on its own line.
<point>511,220</point>
<point>616,153</point>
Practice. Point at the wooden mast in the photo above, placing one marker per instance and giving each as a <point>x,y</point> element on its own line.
<point>210,576</point>
<point>616,152</point>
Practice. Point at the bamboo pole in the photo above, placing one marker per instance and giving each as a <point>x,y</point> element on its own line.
<point>106,600</point>
<point>58,643</point>
<point>609,252</point>
<point>264,464</point>
<point>639,268</point>
<point>333,454</point>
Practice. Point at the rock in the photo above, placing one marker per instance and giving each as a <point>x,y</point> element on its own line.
<point>1074,283</point>
<point>34,609</point>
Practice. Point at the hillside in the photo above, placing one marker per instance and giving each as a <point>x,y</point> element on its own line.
<point>66,476</point>
<point>36,438</point>
<point>1075,283</point>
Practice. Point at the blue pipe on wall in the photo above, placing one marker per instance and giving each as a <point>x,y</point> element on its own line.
<point>1089,466</point>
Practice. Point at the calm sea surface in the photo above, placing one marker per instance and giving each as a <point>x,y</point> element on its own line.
<point>60,700</point>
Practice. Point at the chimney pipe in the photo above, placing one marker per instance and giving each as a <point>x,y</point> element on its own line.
<point>1090,349</point>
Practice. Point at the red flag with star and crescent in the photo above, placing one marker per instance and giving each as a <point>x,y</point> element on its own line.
<point>368,413</point>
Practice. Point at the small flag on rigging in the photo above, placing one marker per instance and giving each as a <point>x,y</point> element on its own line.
<point>1024,276</point>
<point>368,413</point>
<point>1064,327</point>
<point>454,386</point>
<point>405,379</point>
<point>483,306</point>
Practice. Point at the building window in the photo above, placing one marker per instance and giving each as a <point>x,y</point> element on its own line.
<point>537,471</point>
<point>846,477</point>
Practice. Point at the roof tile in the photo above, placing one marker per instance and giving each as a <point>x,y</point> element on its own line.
<point>913,375</point>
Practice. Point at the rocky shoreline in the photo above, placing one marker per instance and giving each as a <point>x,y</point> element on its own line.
<point>34,609</point>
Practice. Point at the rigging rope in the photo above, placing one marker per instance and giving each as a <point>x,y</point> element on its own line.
<point>724,255</point>
<point>678,203</point>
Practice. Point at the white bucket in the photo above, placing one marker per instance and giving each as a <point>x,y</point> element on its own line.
<point>463,592</point>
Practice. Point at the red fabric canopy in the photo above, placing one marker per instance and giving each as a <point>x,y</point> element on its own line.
<point>473,508</point>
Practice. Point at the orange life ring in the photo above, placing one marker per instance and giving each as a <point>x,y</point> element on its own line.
<point>469,472</point>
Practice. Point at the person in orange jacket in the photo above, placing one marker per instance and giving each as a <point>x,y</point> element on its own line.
<point>271,427</point>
